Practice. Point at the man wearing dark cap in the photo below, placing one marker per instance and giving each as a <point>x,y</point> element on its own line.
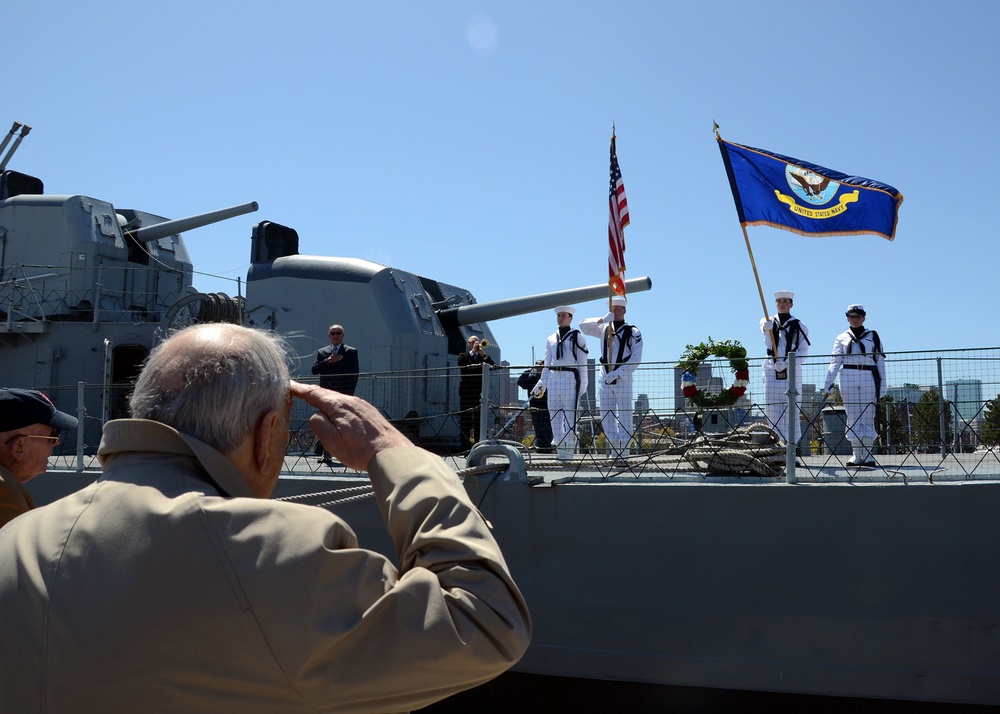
<point>29,429</point>
<point>859,359</point>
<point>538,406</point>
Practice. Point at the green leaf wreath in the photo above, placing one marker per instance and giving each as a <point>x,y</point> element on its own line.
<point>694,355</point>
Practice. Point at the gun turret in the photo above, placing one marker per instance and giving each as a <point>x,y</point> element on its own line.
<point>147,234</point>
<point>483,312</point>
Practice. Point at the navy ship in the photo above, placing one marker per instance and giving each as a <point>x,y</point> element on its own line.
<point>655,573</point>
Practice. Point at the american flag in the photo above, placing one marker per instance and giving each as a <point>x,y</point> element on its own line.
<point>617,220</point>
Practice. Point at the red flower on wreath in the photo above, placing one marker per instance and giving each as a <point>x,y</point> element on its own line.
<point>739,387</point>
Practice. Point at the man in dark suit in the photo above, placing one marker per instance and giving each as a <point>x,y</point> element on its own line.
<point>337,367</point>
<point>470,388</point>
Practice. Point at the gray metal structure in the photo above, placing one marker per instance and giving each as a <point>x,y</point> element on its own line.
<point>401,323</point>
<point>87,289</point>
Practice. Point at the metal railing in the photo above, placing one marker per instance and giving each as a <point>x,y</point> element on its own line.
<point>941,412</point>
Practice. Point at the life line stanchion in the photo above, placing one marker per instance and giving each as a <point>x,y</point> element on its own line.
<point>81,417</point>
<point>484,401</point>
<point>510,422</point>
<point>791,417</point>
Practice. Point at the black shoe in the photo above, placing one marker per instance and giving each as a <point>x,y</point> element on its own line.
<point>326,460</point>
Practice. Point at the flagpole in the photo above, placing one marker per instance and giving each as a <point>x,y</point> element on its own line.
<point>753,263</point>
<point>756,277</point>
<point>610,329</point>
<point>760,290</point>
<point>611,291</point>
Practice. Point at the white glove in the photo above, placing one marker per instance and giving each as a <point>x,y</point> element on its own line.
<point>539,391</point>
<point>766,324</point>
<point>610,378</point>
<point>609,318</point>
<point>780,365</point>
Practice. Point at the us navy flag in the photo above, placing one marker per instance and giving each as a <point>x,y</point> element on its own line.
<point>779,191</point>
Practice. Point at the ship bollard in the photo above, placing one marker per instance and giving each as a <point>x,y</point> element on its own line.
<point>515,461</point>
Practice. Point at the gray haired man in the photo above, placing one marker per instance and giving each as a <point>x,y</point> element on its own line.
<point>172,582</point>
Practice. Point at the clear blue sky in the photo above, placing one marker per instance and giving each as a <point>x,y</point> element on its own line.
<point>468,142</point>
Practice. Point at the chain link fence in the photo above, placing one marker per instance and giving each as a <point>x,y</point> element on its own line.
<point>940,411</point>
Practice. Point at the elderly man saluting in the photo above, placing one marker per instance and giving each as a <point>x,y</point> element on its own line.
<point>172,584</point>
<point>30,427</point>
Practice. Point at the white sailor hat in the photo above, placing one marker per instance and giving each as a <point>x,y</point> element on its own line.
<point>566,308</point>
<point>618,301</point>
<point>784,294</point>
<point>856,309</point>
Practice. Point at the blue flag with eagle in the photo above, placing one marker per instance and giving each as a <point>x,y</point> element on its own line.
<point>782,192</point>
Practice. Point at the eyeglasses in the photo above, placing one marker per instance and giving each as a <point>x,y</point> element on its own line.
<point>55,438</point>
<point>336,332</point>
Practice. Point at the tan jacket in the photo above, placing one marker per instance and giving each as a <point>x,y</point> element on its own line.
<point>150,590</point>
<point>14,497</point>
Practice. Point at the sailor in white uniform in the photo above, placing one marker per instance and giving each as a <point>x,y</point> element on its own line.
<point>783,333</point>
<point>564,378</point>
<point>616,373</point>
<point>858,357</point>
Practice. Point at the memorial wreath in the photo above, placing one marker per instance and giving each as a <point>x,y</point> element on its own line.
<point>694,355</point>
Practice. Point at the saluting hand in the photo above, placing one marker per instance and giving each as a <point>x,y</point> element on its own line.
<point>350,428</point>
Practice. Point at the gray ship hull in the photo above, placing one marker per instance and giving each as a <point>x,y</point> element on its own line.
<point>874,590</point>
<point>886,591</point>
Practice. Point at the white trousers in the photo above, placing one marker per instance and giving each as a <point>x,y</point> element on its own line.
<point>857,387</point>
<point>776,403</point>
<point>561,388</point>
<point>616,409</point>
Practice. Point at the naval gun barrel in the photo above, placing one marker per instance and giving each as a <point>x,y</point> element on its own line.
<point>484,312</point>
<point>10,135</point>
<point>147,234</point>
<point>17,142</point>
